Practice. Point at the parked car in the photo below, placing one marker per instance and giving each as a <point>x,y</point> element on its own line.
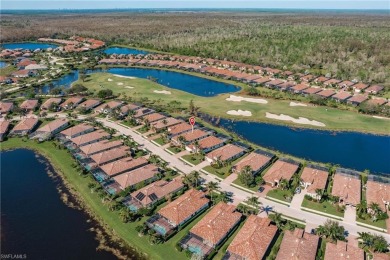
<point>297,190</point>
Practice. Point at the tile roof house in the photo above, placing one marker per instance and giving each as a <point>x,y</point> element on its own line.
<point>273,83</point>
<point>123,165</point>
<point>378,191</point>
<point>25,126</point>
<point>146,174</point>
<point>281,169</point>
<point>100,146</point>
<point>357,99</point>
<point>298,244</point>
<point>257,161</point>
<point>326,93</point>
<point>347,186</point>
<point>46,105</point>
<point>89,138</point>
<point>308,78</point>
<point>77,130</point>
<point>345,84</point>
<point>377,101</point>
<point>142,112</point>
<point>228,152</point>
<point>311,91</point>
<point>29,104</point>
<point>253,240</point>
<point>191,136</point>
<point>321,79</point>
<point>358,87</point>
<point>126,108</point>
<point>206,144</point>
<point>110,155</point>
<point>51,128</point>
<point>179,129</point>
<point>380,256</point>
<point>89,104</point>
<point>108,107</point>
<point>297,89</point>
<point>331,82</point>
<point>153,117</point>
<point>313,178</point>
<point>4,125</point>
<point>6,107</point>
<point>374,89</point>
<point>71,103</point>
<point>185,207</point>
<point>341,96</point>
<point>343,251</point>
<point>261,81</point>
<point>156,191</point>
<point>164,123</point>
<point>216,225</point>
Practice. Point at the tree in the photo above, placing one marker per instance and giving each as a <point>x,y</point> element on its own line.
<point>211,187</point>
<point>284,184</point>
<point>224,197</point>
<point>332,230</point>
<point>374,243</point>
<point>193,110</point>
<point>253,202</point>
<point>104,93</point>
<point>246,177</point>
<point>244,209</point>
<point>319,193</point>
<point>277,219</point>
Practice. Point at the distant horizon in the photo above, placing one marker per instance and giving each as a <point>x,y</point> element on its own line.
<point>56,5</point>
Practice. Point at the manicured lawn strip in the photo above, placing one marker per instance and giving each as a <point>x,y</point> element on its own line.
<point>160,141</point>
<point>217,106</point>
<point>62,161</point>
<point>239,183</point>
<point>175,150</point>
<point>222,172</point>
<point>278,194</point>
<point>329,209</point>
<point>379,223</point>
<point>195,159</point>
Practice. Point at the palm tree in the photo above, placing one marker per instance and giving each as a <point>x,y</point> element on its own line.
<point>211,187</point>
<point>91,186</point>
<point>283,184</point>
<point>375,210</point>
<point>224,197</point>
<point>332,230</point>
<point>124,215</point>
<point>244,209</point>
<point>319,193</point>
<point>194,175</point>
<point>254,202</point>
<point>277,219</point>
<point>361,208</point>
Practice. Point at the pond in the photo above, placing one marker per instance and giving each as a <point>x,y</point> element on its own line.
<point>34,220</point>
<point>28,45</point>
<point>348,149</point>
<point>124,50</point>
<point>2,64</point>
<point>184,82</point>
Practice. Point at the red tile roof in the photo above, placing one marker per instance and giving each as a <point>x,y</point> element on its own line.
<point>342,95</point>
<point>298,244</point>
<point>311,90</point>
<point>26,124</point>
<point>255,160</point>
<point>358,99</point>
<point>110,155</point>
<point>100,146</point>
<point>378,192</point>
<point>122,165</point>
<point>154,117</point>
<point>136,176</point>
<point>326,93</point>
<point>280,170</point>
<point>77,129</point>
<point>192,136</point>
<point>341,251</point>
<point>74,100</point>
<point>377,101</point>
<point>316,177</point>
<point>360,86</point>
<point>208,142</point>
<point>5,107</point>
<point>225,152</point>
<point>347,188</point>
<point>4,126</point>
<point>89,137</point>
<point>53,125</point>
<point>374,89</point>
<point>29,104</point>
<point>180,128</point>
<point>48,102</point>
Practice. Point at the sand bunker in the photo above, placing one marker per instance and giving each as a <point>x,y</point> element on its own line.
<point>129,87</point>
<point>381,117</point>
<point>253,100</point>
<point>120,83</point>
<point>239,112</point>
<point>300,120</point>
<point>162,92</point>
<point>293,104</point>
<point>127,77</point>
<point>109,79</point>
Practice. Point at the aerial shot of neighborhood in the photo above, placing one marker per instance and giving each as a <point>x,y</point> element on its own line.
<point>169,130</point>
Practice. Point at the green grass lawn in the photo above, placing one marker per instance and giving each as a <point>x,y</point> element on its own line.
<point>325,207</point>
<point>222,172</point>
<point>62,162</point>
<point>195,159</point>
<point>379,223</point>
<point>7,70</point>
<point>279,194</point>
<point>334,119</point>
<point>160,141</point>
<point>255,188</point>
<point>142,130</point>
<point>175,149</point>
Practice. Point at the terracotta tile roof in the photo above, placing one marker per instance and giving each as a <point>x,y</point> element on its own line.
<point>169,121</point>
<point>341,251</point>
<point>377,101</point>
<point>100,146</point>
<point>89,103</point>
<point>111,105</point>
<point>326,93</point>
<point>347,187</point>
<point>26,124</point>
<point>342,95</point>
<point>192,136</point>
<point>107,156</point>
<point>217,223</point>
<point>4,126</point>
<point>125,109</point>
<point>253,239</point>
<point>157,190</point>
<point>29,104</point>
<point>77,129</point>
<point>262,80</point>
<point>142,112</point>
<point>298,244</point>
<point>360,86</point>
<point>53,125</point>
<point>183,207</point>
<point>90,137</point>
<point>374,89</point>
<point>280,170</point>
<point>345,83</point>
<point>154,117</point>
<point>331,81</point>
<point>308,77</point>
<point>274,82</point>
<point>381,256</point>
<point>48,102</point>
<point>255,160</point>
<point>180,128</point>
<point>321,79</point>
<point>122,165</point>
<point>358,99</point>
<point>136,176</point>
<point>300,87</point>
<point>378,192</point>
<point>208,142</point>
<point>74,100</point>
<point>316,177</point>
<point>311,90</point>
<point>252,77</point>
<point>225,152</point>
<point>6,107</point>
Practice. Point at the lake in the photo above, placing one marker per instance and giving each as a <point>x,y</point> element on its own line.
<point>184,82</point>
<point>123,50</point>
<point>28,45</point>
<point>2,64</point>
<point>34,220</point>
<point>348,149</point>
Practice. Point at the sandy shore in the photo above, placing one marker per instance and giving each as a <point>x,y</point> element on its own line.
<point>239,112</point>
<point>162,92</point>
<point>294,104</point>
<point>300,120</point>
<point>252,100</point>
<point>127,77</point>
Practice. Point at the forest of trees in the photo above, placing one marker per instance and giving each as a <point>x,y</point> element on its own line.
<point>346,46</point>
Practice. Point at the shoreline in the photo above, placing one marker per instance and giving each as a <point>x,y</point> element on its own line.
<point>72,198</point>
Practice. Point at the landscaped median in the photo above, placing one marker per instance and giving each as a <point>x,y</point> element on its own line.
<point>62,162</point>
<point>324,208</point>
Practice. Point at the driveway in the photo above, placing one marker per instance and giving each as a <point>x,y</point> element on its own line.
<point>297,200</point>
<point>350,214</point>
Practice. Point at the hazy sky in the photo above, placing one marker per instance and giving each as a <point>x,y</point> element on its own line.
<point>98,4</point>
